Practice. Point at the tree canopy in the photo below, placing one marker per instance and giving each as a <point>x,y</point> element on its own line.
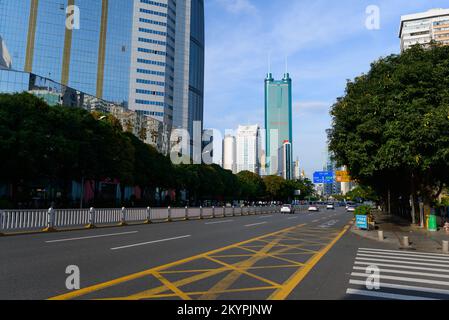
<point>392,126</point>
<point>52,146</point>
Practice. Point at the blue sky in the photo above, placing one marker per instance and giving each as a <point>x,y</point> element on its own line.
<point>326,43</point>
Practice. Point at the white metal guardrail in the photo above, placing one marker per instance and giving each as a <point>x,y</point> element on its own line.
<point>60,219</point>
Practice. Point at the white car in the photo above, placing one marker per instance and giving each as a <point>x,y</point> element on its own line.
<point>314,209</point>
<point>350,209</point>
<point>330,206</point>
<point>287,208</point>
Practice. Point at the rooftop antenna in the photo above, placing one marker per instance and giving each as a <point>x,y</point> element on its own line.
<point>286,64</point>
<point>269,62</point>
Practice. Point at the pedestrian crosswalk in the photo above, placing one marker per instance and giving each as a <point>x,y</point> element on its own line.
<point>399,275</point>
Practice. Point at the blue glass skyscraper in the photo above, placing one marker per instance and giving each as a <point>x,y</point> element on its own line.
<point>278,122</point>
<point>147,55</point>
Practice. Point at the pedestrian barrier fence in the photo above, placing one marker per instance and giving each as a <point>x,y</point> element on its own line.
<point>60,219</point>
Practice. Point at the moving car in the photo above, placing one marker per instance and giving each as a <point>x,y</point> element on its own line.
<point>287,208</point>
<point>330,206</point>
<point>314,208</point>
<point>350,208</point>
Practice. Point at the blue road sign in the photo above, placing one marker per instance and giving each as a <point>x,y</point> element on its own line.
<point>323,177</point>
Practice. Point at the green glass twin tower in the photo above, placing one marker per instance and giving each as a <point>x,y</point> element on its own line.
<point>278,126</point>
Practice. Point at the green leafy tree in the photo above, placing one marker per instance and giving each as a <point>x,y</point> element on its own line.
<point>392,126</point>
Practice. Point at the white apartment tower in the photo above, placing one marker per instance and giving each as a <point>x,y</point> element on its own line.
<point>247,147</point>
<point>229,153</point>
<point>422,28</point>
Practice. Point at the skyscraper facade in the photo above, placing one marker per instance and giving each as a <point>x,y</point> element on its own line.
<point>248,148</point>
<point>422,28</point>
<point>229,153</point>
<point>147,55</point>
<point>278,119</point>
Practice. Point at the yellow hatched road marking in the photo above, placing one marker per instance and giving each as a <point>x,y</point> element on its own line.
<point>256,253</point>
<point>296,278</point>
<point>107,284</point>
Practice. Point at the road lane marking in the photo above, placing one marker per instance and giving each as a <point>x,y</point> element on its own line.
<point>92,237</point>
<point>218,222</point>
<point>404,287</point>
<point>404,279</point>
<point>424,279</point>
<point>296,278</point>
<point>400,266</point>
<point>138,275</point>
<point>404,255</point>
<point>410,273</point>
<point>291,218</point>
<point>400,258</point>
<point>263,217</point>
<point>410,253</point>
<point>383,295</point>
<point>150,242</point>
<point>256,224</point>
<point>404,262</point>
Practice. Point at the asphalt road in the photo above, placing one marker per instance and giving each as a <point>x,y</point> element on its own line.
<point>226,258</point>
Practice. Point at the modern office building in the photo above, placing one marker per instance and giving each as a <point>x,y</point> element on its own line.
<point>422,28</point>
<point>229,153</point>
<point>5,57</point>
<point>278,118</point>
<point>147,55</point>
<point>297,170</point>
<point>285,165</point>
<point>248,148</point>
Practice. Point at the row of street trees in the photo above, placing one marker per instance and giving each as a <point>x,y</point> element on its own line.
<point>46,147</point>
<point>392,128</point>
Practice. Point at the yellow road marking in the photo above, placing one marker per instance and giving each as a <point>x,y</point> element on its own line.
<point>296,278</point>
<point>171,286</point>
<point>107,284</point>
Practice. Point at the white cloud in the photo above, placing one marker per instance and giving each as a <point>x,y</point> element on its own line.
<point>310,107</point>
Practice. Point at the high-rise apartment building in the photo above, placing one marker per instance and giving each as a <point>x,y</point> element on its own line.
<point>422,28</point>
<point>278,119</point>
<point>229,153</point>
<point>248,148</point>
<point>285,165</point>
<point>147,55</point>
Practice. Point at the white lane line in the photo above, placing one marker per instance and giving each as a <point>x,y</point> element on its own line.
<point>150,242</point>
<point>410,273</point>
<point>400,258</point>
<point>404,287</point>
<point>405,252</point>
<point>263,217</point>
<point>401,266</point>
<point>92,237</point>
<point>224,221</point>
<point>316,220</point>
<point>403,262</point>
<point>291,218</point>
<point>403,255</point>
<point>405,279</point>
<point>383,295</point>
<point>256,224</point>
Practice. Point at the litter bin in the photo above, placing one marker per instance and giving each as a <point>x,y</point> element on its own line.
<point>432,226</point>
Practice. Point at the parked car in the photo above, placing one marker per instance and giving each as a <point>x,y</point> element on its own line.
<point>314,208</point>
<point>330,206</point>
<point>287,208</point>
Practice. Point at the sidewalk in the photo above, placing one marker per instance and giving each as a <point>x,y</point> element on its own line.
<point>395,228</point>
